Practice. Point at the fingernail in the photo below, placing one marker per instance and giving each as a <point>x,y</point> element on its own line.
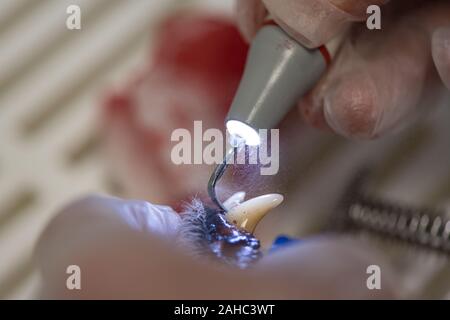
<point>312,23</point>
<point>357,8</point>
<point>441,53</point>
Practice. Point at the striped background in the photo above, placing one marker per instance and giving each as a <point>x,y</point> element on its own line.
<point>51,80</point>
<point>50,83</point>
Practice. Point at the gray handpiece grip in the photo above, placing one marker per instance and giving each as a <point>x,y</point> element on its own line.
<point>278,72</point>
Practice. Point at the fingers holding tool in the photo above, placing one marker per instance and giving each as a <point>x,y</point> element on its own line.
<point>379,77</point>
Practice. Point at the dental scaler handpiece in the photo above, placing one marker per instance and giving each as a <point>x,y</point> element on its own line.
<point>278,72</point>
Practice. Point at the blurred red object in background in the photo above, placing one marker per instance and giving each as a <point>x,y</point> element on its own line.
<point>196,66</point>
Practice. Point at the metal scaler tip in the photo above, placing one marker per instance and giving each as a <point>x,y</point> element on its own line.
<point>217,174</point>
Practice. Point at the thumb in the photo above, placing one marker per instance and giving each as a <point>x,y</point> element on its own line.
<point>87,224</point>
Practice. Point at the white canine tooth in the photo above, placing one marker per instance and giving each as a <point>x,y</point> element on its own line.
<point>247,214</point>
<point>234,200</point>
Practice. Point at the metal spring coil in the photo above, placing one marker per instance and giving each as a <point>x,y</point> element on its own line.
<point>424,227</point>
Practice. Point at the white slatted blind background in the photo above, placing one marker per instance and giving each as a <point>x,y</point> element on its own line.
<point>51,79</point>
<point>50,82</point>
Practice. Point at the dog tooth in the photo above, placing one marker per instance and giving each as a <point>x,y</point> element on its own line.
<point>234,200</point>
<point>247,214</point>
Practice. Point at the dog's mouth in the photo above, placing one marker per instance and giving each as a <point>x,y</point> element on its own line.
<point>227,236</point>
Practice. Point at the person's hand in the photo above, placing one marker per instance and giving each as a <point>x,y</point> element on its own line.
<point>131,249</point>
<point>379,77</point>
